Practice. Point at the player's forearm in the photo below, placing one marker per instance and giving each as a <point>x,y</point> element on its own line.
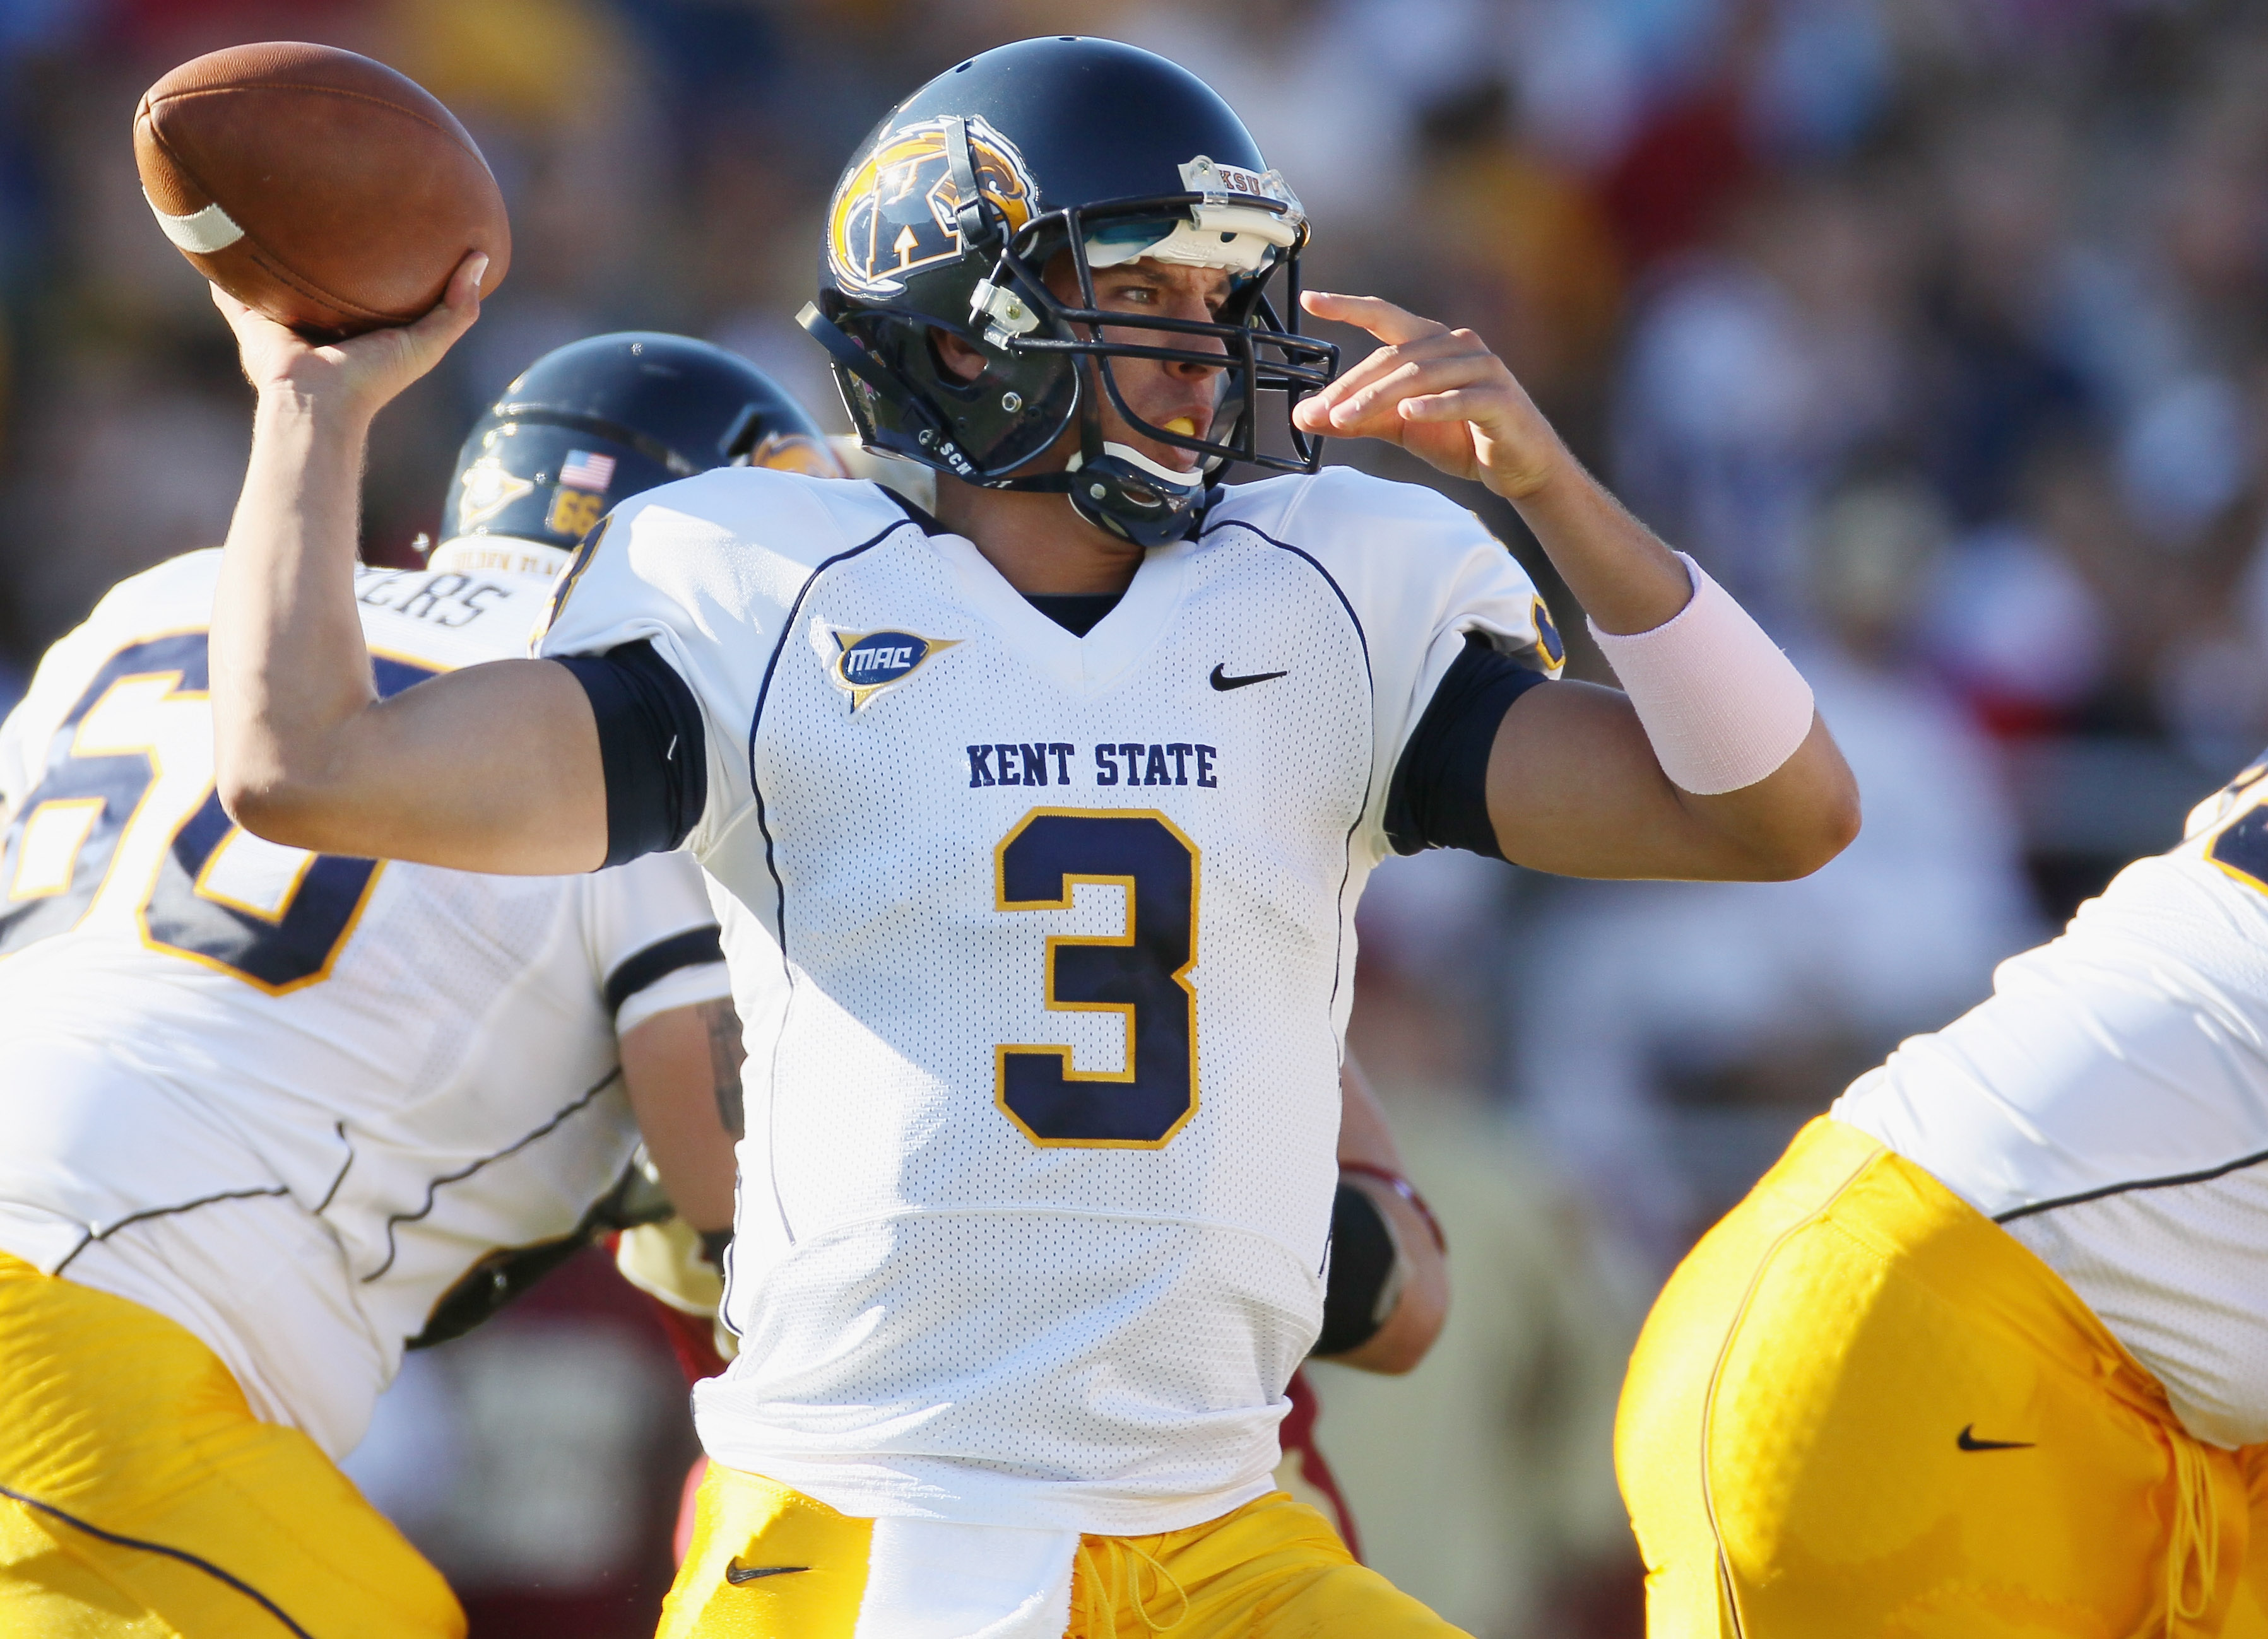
<point>1422,1307</point>
<point>1739,779</point>
<point>1619,571</point>
<point>290,668</point>
<point>682,1070</point>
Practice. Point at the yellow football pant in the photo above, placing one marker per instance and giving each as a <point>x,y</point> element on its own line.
<point>141,1499</point>
<point>1860,1407</point>
<point>1271,1569</point>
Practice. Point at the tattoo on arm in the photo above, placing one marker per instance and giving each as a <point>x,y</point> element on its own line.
<point>725,1055</point>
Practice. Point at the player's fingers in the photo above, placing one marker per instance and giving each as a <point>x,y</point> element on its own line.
<point>459,305</point>
<point>1351,381</point>
<point>1317,413</point>
<point>1383,362</point>
<point>1419,379</point>
<point>266,351</point>
<point>1360,403</point>
<point>1397,383</point>
<point>1371,368</point>
<point>1456,404</point>
<point>425,339</point>
<point>465,284</point>
<point>1383,318</point>
<point>248,322</point>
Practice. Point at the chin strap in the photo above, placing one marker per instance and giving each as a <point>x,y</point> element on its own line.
<point>932,436</point>
<point>860,362</point>
<point>977,230</point>
<point>1123,491</point>
<point>1192,483</point>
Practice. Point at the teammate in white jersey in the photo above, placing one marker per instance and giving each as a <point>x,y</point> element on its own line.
<point>1986,1353</point>
<point>267,1118</point>
<point>1036,830</point>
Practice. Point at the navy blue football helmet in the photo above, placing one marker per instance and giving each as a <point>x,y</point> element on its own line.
<point>947,219</point>
<point>601,419</point>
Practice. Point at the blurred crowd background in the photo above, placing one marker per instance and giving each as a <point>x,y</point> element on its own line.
<point>1936,329</point>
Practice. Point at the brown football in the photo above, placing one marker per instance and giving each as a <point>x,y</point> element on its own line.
<point>321,188</point>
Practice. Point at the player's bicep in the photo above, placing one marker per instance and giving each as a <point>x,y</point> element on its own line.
<point>491,767</point>
<point>1574,788</point>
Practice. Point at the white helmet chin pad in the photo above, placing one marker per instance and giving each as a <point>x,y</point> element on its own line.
<point>1185,483</point>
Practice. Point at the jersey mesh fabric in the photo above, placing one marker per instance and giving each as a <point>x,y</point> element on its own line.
<point>942,1315</point>
<point>444,1086</point>
<point>2109,1105</point>
<point>310,1364</point>
<point>916,1041</point>
<point>2177,1274</point>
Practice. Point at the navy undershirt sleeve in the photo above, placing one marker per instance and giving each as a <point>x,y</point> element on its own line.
<point>1438,798</point>
<point>650,745</point>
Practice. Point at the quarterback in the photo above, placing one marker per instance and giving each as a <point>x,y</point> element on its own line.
<point>1986,1353</point>
<point>1036,827</point>
<point>268,1117</point>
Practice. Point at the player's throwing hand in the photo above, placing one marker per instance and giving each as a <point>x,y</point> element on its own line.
<point>1440,393</point>
<point>363,374</point>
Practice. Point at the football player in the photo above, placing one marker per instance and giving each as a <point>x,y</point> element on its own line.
<point>267,1116</point>
<point>1036,827</point>
<point>1986,1353</point>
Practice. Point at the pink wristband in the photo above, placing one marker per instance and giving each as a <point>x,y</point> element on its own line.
<point>1721,704</point>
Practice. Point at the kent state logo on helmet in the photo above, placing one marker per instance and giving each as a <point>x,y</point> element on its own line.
<point>1082,155</point>
<point>897,212</point>
<point>867,663</point>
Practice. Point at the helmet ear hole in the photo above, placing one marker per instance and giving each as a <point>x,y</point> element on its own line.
<point>959,361</point>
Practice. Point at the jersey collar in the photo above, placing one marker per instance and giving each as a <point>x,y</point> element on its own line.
<point>1085,665</point>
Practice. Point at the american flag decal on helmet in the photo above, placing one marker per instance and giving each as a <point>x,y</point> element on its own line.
<point>584,470</point>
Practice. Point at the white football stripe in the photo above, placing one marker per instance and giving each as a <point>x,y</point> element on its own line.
<point>201,232</point>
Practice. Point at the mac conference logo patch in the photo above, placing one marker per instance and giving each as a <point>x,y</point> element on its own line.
<point>867,663</point>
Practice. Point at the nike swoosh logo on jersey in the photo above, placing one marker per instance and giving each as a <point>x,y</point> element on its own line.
<point>1968,1442</point>
<point>1221,680</point>
<point>737,1573</point>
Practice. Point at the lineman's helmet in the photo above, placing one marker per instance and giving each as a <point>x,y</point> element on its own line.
<point>598,420</point>
<point>947,218</point>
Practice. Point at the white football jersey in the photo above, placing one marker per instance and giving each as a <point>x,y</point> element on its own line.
<point>1042,946</point>
<point>2108,1105</point>
<point>287,1098</point>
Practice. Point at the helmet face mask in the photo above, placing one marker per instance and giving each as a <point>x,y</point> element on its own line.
<point>941,225</point>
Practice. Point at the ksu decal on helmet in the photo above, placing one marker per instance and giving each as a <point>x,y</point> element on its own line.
<point>597,421</point>
<point>950,217</point>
